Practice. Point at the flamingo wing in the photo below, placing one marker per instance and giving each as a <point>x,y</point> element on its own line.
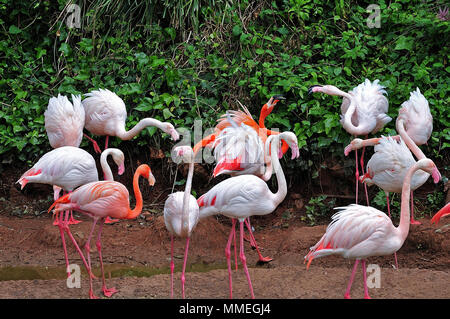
<point>64,121</point>
<point>173,212</point>
<point>355,231</point>
<point>417,117</point>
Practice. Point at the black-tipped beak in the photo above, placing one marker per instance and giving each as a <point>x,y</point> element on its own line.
<point>278,97</point>
<point>312,87</point>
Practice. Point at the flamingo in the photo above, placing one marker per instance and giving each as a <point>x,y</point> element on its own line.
<point>359,232</point>
<point>181,213</point>
<point>242,196</point>
<point>444,211</point>
<point>363,111</point>
<point>414,125</point>
<point>106,114</point>
<point>99,200</point>
<point>68,167</point>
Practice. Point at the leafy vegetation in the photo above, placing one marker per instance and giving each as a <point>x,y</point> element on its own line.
<point>185,60</point>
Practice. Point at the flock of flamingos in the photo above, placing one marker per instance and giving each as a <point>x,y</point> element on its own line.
<point>250,153</point>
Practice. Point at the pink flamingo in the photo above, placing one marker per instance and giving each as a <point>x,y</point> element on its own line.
<point>106,115</point>
<point>444,211</point>
<point>242,196</point>
<point>181,213</point>
<point>363,111</point>
<point>359,232</point>
<point>414,125</point>
<point>99,200</point>
<point>68,167</point>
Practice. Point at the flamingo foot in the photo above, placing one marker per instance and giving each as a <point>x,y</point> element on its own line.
<point>367,297</point>
<point>347,296</point>
<point>73,221</point>
<point>109,220</point>
<point>91,295</point>
<point>55,222</point>
<point>109,292</point>
<point>263,260</point>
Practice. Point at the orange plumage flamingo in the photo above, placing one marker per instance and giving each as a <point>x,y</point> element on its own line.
<point>100,200</point>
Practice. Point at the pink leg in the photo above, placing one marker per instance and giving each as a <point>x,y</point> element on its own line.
<point>235,250</point>
<point>183,278</point>
<point>243,258</point>
<point>261,258</point>
<point>61,232</point>
<point>106,141</point>
<point>347,292</point>
<point>362,168</point>
<point>107,292</point>
<point>366,290</point>
<point>172,266</point>
<point>73,221</point>
<point>94,143</point>
<point>251,240</point>
<point>228,254</point>
<point>356,174</point>
<point>88,252</point>
<point>413,221</point>
<point>389,212</point>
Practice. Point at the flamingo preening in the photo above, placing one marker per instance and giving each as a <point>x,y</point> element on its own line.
<point>67,168</point>
<point>181,213</point>
<point>106,115</point>
<point>242,196</point>
<point>99,200</point>
<point>359,232</point>
<point>363,111</point>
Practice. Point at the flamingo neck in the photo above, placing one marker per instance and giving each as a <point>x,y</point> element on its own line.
<point>403,226</point>
<point>107,173</point>
<point>262,116</point>
<point>363,128</point>
<point>133,213</point>
<point>186,197</point>
<point>127,135</point>
<point>408,140</point>
<point>274,141</point>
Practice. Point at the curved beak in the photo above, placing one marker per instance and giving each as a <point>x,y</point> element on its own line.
<point>436,175</point>
<point>151,179</point>
<point>314,88</point>
<point>121,169</point>
<point>174,134</point>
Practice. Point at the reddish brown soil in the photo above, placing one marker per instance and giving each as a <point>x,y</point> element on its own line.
<point>32,263</point>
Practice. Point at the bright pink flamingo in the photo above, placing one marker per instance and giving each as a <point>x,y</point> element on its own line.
<point>242,196</point>
<point>359,232</point>
<point>106,115</point>
<point>99,200</point>
<point>181,213</point>
<point>363,111</point>
<point>444,211</point>
<point>69,167</point>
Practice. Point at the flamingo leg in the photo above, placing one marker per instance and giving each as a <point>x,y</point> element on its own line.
<point>366,290</point>
<point>243,258</point>
<point>88,252</point>
<point>94,143</point>
<point>73,221</point>
<point>413,221</point>
<point>389,213</point>
<point>261,258</point>
<point>61,232</point>
<point>106,141</point>
<point>228,254</point>
<point>347,292</point>
<point>107,292</point>
<point>183,278</point>
<point>172,266</point>
<point>251,240</point>
<point>362,168</point>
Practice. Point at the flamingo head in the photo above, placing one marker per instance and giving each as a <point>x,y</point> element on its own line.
<point>428,166</point>
<point>327,89</point>
<point>146,172</point>
<point>185,152</point>
<point>291,139</point>
<point>170,129</point>
<point>357,143</point>
<point>273,101</point>
<point>119,159</point>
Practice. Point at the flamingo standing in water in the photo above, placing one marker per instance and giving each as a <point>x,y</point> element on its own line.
<point>181,213</point>
<point>99,200</point>
<point>106,115</point>
<point>387,168</point>
<point>242,196</point>
<point>67,168</point>
<point>363,111</point>
<point>359,232</point>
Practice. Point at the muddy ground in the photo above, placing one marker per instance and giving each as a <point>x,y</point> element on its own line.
<point>137,254</point>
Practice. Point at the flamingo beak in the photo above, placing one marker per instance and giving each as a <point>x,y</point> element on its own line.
<point>295,151</point>
<point>121,169</point>
<point>151,179</point>
<point>436,175</point>
<point>175,136</point>
<point>314,88</point>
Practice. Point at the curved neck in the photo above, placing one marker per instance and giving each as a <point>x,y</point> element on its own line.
<point>348,125</point>
<point>127,135</point>
<point>186,197</point>
<point>107,173</point>
<point>262,116</point>
<point>400,126</point>
<point>403,226</point>
<point>133,213</point>
<point>273,141</point>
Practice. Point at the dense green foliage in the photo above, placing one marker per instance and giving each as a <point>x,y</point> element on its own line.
<point>185,60</point>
